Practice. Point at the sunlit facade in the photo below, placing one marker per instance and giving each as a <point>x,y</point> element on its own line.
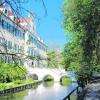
<point>18,36</point>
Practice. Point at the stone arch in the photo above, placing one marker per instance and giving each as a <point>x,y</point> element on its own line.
<point>63,77</point>
<point>46,77</point>
<point>34,76</point>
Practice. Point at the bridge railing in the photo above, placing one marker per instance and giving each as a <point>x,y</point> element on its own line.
<point>68,97</point>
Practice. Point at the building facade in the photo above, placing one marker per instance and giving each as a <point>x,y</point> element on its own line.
<point>18,36</point>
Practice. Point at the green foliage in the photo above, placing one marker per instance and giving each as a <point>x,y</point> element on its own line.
<point>6,86</point>
<point>15,84</point>
<point>51,59</point>
<point>72,55</point>
<point>66,81</point>
<point>54,59</point>
<point>97,68</point>
<point>11,72</point>
<point>82,24</point>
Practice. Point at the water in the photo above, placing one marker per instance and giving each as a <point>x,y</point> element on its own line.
<point>44,91</point>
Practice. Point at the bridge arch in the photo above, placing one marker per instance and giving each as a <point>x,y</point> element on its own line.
<point>34,76</point>
<point>42,73</point>
<point>48,77</point>
<point>63,77</point>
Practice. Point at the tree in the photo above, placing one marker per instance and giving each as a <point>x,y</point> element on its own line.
<point>54,59</point>
<point>81,20</point>
<point>11,72</point>
<point>72,55</point>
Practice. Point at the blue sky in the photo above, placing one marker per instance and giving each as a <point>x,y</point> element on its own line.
<point>49,27</point>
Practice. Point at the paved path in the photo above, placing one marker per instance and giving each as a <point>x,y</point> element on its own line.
<point>93,91</point>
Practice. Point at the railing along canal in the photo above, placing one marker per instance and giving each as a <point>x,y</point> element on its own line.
<point>69,95</point>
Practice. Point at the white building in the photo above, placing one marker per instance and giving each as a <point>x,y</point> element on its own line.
<point>18,36</point>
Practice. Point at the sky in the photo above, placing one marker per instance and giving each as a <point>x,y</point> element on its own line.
<point>49,27</point>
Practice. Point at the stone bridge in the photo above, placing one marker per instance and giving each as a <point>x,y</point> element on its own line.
<point>42,73</point>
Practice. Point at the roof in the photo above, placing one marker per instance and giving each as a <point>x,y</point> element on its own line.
<point>23,20</point>
<point>19,22</point>
<point>10,13</point>
<point>2,4</point>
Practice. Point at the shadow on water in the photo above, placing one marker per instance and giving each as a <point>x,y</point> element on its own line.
<point>48,83</point>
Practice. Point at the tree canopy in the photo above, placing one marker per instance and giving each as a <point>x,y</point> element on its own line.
<point>82,24</point>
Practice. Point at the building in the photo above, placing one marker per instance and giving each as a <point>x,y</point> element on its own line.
<point>18,36</point>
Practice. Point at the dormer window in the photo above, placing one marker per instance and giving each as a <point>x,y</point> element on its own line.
<point>14,18</point>
<point>6,11</point>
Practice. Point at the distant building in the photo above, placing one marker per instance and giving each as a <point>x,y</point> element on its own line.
<point>18,36</point>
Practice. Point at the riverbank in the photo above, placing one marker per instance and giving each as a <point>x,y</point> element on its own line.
<point>3,86</point>
<point>16,83</point>
<point>20,85</point>
<point>19,88</point>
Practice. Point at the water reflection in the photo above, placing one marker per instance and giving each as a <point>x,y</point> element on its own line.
<point>45,91</point>
<point>48,84</point>
<point>15,96</point>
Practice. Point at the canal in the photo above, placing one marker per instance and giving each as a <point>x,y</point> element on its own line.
<point>45,91</point>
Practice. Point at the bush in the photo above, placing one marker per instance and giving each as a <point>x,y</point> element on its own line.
<point>18,82</point>
<point>11,72</point>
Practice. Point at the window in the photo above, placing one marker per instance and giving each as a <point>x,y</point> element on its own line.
<point>17,33</point>
<point>32,63</point>
<point>9,60</point>
<point>21,48</point>
<point>1,58</point>
<point>30,38</point>
<point>31,52</point>
<point>35,42</point>
<point>6,11</point>
<point>9,45</point>
<point>14,18</point>
<point>23,35</point>
<point>0,40</point>
<point>7,24</point>
<point>15,47</point>
<point>5,58</point>
<point>5,41</point>
<point>15,30</point>
<point>3,26</point>
<point>0,19</point>
<point>18,49</point>
<point>11,28</point>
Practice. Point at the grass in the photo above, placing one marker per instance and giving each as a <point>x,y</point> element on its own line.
<point>16,83</point>
<point>66,81</point>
